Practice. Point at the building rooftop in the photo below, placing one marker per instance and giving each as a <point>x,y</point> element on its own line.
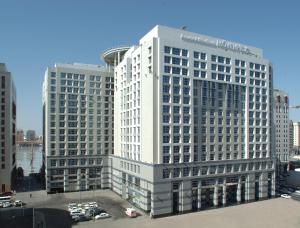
<point>3,67</point>
<point>81,66</point>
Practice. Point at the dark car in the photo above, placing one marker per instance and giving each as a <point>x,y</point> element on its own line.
<point>94,211</point>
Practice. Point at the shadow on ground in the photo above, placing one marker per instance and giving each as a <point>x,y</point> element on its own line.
<point>43,217</point>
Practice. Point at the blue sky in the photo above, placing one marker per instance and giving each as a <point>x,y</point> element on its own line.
<point>36,34</point>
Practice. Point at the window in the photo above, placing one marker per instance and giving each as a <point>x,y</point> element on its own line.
<point>175,51</point>
<point>167,69</point>
<point>166,159</point>
<point>167,59</point>
<point>175,70</point>
<point>166,173</point>
<point>176,60</point>
<point>167,50</point>
<point>176,172</point>
<point>196,55</point>
<point>184,52</point>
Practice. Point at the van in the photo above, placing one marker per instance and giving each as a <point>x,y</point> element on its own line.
<point>130,212</point>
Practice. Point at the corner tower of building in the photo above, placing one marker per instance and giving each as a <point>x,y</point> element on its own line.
<point>193,123</point>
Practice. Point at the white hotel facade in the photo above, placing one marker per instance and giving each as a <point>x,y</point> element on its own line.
<point>180,122</point>
<point>192,123</point>
<point>78,126</point>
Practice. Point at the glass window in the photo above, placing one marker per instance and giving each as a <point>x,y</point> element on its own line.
<point>175,51</point>
<point>167,50</point>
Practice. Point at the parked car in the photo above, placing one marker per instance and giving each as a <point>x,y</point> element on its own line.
<point>95,211</point>
<point>77,212</point>
<point>286,196</point>
<point>102,216</point>
<point>93,204</point>
<point>18,203</point>
<point>76,215</point>
<point>7,204</point>
<point>130,212</point>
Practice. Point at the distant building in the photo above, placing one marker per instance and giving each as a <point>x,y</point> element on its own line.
<point>296,138</point>
<point>20,136</point>
<point>291,136</point>
<point>7,128</point>
<point>30,135</point>
<point>281,119</point>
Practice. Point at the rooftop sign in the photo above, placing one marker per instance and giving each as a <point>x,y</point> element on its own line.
<point>223,44</point>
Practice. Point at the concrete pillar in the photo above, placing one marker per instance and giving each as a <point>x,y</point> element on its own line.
<point>199,195</point>
<point>216,194</point>
<point>263,185</point>
<point>224,193</point>
<point>186,187</point>
<point>250,187</point>
<point>239,190</point>
<point>273,184</point>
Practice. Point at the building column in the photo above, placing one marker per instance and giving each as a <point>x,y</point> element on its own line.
<point>273,184</point>
<point>199,194</point>
<point>239,190</point>
<point>250,187</point>
<point>224,193</point>
<point>263,185</point>
<point>186,189</point>
<point>216,194</point>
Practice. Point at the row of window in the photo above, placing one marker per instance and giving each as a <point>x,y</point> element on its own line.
<point>213,170</point>
<point>72,162</point>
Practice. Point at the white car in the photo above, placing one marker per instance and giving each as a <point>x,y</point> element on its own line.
<point>7,204</point>
<point>76,214</point>
<point>102,216</point>
<point>18,203</point>
<point>286,196</point>
<point>77,211</point>
<point>93,204</point>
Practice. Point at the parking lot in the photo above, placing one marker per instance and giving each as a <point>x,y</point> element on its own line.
<point>105,199</point>
<point>52,209</point>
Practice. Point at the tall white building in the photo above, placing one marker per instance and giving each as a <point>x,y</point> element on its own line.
<point>78,126</point>
<point>7,129</point>
<point>296,137</point>
<point>281,119</point>
<point>192,123</point>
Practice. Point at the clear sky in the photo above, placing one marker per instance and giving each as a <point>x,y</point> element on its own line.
<point>35,34</point>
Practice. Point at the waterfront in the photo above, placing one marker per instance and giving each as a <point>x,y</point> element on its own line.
<point>27,153</point>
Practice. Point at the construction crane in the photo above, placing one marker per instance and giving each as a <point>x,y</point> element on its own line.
<point>295,106</point>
